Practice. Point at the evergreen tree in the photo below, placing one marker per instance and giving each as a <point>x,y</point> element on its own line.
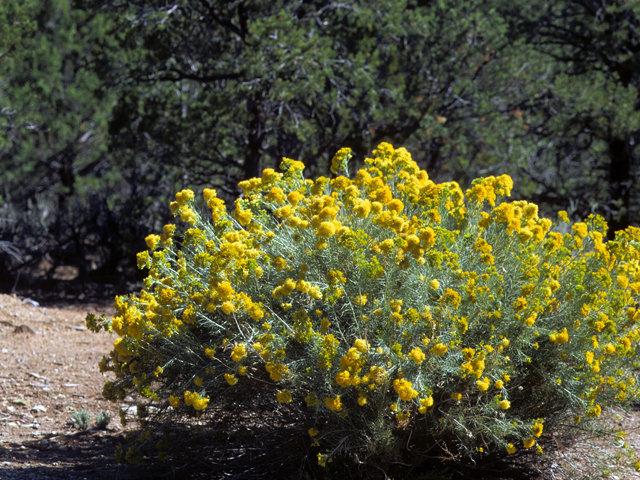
<point>213,91</point>
<point>584,124</point>
<point>52,155</point>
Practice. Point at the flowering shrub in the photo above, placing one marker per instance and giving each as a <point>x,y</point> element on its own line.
<point>401,316</point>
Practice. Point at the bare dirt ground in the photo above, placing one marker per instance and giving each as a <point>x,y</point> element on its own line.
<point>48,371</point>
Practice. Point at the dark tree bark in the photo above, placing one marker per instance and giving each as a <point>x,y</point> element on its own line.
<point>253,160</point>
<point>620,184</point>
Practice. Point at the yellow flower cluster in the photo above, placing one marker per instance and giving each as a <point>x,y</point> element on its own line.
<point>239,352</point>
<point>284,396</point>
<point>194,400</point>
<point>404,389</point>
<point>333,404</point>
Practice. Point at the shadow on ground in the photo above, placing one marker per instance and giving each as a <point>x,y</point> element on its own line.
<point>83,455</point>
<point>90,454</point>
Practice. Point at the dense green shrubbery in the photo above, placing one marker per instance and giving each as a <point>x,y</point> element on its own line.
<point>404,318</point>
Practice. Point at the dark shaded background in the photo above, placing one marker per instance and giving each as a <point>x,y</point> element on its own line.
<point>107,108</point>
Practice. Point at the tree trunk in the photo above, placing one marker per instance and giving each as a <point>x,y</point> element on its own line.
<point>253,160</point>
<point>619,184</point>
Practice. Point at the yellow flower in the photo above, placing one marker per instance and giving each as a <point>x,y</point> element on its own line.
<point>343,378</point>
<point>230,378</point>
<point>238,352</point>
<point>529,442</point>
<point>559,338</point>
<point>594,412</point>
<point>417,355</point>
<point>499,384</point>
<point>189,314</point>
<point>589,357</point>
<point>511,449</point>
<point>228,308</point>
<point>520,304</point>
<point>189,216</point>
<point>152,241</point>
<point>580,229</point>
<point>313,432</point>
<point>485,221</point>
<point>184,196</point>
<point>404,389</point>
<point>277,371</point>
<point>483,384</point>
<point>315,292</point>
<point>362,208</point>
<point>439,349</point>
<point>201,403</point>
<point>456,396</point>
<point>334,404</point>
<point>531,320</point>
<point>536,430</point>
<point>340,160</point>
<point>195,400</point>
<point>208,194</point>
<point>361,345</point>
<point>362,400</point>
<point>503,185</point>
<point>525,235</point>
<point>198,381</point>
<point>295,197</point>
<point>276,194</point>
<point>242,216</point>
<point>505,404</point>
<point>428,237</point>
<point>451,297</point>
<point>360,300</point>
<point>174,401</point>
<point>326,229</point>
<point>395,205</point>
<point>386,245</point>
<point>341,183</point>
<point>328,213</point>
<point>284,396</point>
<point>425,403</point>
